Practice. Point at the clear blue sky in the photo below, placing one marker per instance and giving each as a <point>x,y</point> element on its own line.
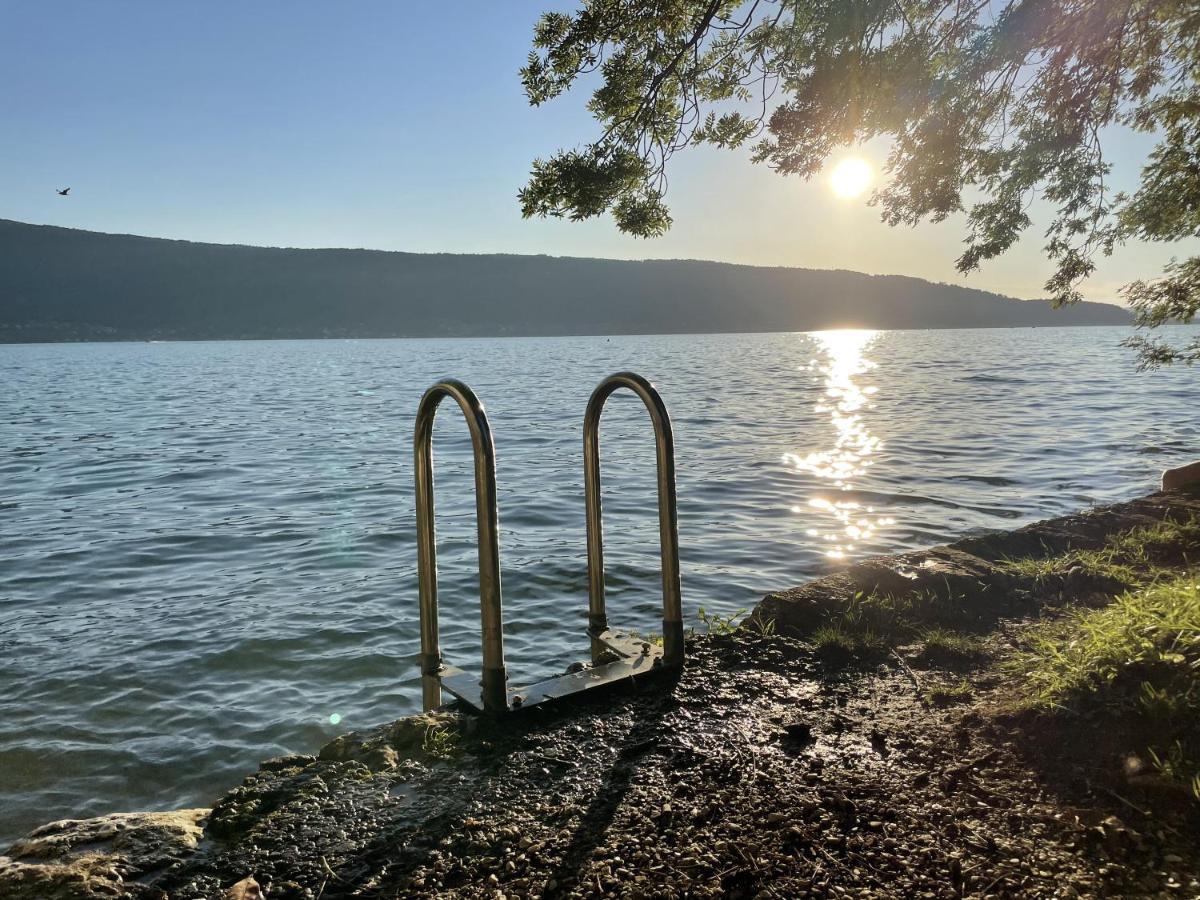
<point>389,125</point>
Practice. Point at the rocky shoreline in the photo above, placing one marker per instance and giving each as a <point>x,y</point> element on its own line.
<point>767,768</point>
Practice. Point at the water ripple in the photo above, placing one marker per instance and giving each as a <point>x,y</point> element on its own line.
<point>208,548</point>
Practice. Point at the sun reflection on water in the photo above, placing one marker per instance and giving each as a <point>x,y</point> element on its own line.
<point>842,365</point>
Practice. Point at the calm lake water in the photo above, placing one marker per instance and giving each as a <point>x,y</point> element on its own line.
<point>207,550</point>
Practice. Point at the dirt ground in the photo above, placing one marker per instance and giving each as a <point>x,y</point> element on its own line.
<point>760,772</point>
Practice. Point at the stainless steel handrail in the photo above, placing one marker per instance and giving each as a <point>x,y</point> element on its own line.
<point>668,519</point>
<point>494,682</point>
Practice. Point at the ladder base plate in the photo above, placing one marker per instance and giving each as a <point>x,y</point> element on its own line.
<point>632,657</point>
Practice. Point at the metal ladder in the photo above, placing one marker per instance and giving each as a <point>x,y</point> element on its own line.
<point>615,655</point>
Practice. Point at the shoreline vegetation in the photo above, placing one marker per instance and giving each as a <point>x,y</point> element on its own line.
<point>68,285</point>
<point>1015,714</point>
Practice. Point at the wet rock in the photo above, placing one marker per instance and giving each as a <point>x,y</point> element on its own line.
<point>108,856</point>
<point>1181,477</point>
<point>406,738</point>
<point>292,762</point>
<point>342,747</point>
<point>147,840</point>
<point>81,879</point>
<point>804,609</point>
<point>381,759</point>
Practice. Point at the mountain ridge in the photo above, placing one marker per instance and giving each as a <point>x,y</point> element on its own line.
<point>65,284</point>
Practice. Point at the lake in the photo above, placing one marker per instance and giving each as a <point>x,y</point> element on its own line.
<point>208,553</point>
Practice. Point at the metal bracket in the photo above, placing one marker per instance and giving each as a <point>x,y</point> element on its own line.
<point>616,656</point>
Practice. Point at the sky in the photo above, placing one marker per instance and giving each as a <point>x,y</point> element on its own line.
<point>396,126</point>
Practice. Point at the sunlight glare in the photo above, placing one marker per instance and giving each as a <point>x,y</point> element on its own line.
<point>842,364</point>
<point>850,177</point>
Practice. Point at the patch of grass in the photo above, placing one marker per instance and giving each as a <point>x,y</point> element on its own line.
<point>1155,630</point>
<point>1130,558</point>
<point>714,623</point>
<point>947,622</point>
<point>830,638</point>
<point>1137,658</point>
<point>948,694</point>
<point>440,742</point>
<point>833,644</point>
<point>867,623</point>
<point>765,627</point>
<point>838,644</point>
<point>949,649</point>
<point>1095,564</point>
<point>1175,766</point>
<point>1167,543</point>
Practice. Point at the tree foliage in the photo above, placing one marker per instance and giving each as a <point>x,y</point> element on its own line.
<point>1001,102</point>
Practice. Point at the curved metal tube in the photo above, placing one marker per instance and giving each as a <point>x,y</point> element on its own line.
<point>668,519</point>
<point>494,683</point>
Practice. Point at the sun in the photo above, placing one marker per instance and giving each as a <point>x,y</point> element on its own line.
<point>850,177</point>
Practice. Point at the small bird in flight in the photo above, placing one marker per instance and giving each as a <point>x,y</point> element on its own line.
<point>63,192</point>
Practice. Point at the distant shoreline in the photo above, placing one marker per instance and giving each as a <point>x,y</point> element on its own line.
<point>488,337</point>
<point>61,284</point>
